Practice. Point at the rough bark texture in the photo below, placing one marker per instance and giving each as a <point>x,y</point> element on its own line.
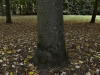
<point>94,11</point>
<point>51,50</point>
<point>8,15</point>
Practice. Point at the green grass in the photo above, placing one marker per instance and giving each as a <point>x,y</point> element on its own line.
<point>86,18</point>
<point>34,17</point>
<point>80,18</point>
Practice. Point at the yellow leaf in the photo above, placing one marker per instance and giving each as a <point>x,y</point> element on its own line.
<point>94,50</point>
<point>13,50</point>
<point>9,52</point>
<point>25,60</point>
<point>78,47</point>
<point>30,56</point>
<point>11,73</point>
<point>96,56</point>
<point>87,44</point>
<point>88,54</point>
<point>31,72</point>
<point>4,59</point>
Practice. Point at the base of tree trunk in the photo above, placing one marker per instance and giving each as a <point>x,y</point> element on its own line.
<point>9,22</point>
<point>43,71</point>
<point>42,63</point>
<point>92,22</point>
<point>44,66</point>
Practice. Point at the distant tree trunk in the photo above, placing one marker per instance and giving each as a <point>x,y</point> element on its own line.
<point>20,9</point>
<point>2,8</point>
<point>29,7</point>
<point>14,9</point>
<point>94,11</point>
<point>8,15</point>
<point>51,51</point>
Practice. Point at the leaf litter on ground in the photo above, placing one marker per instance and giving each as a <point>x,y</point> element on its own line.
<point>18,42</point>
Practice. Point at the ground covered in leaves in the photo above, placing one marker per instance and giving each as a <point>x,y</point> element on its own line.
<point>18,42</point>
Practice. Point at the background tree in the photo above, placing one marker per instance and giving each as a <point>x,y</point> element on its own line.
<point>13,5</point>
<point>29,8</point>
<point>8,15</point>
<point>78,7</point>
<point>51,49</point>
<point>72,7</point>
<point>94,11</point>
<point>2,7</point>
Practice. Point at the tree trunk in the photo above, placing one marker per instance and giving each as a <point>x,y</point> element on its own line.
<point>2,8</point>
<point>14,9</point>
<point>51,51</point>
<point>94,11</point>
<point>8,15</point>
<point>29,7</point>
<point>20,9</point>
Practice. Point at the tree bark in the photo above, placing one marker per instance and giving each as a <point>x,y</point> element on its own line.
<point>94,11</point>
<point>51,51</point>
<point>8,15</point>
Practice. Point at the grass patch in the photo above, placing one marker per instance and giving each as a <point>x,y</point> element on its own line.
<point>81,18</point>
<point>85,18</point>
